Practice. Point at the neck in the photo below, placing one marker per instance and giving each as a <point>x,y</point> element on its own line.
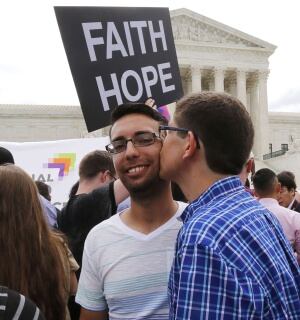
<point>196,179</point>
<point>269,196</point>
<point>148,213</point>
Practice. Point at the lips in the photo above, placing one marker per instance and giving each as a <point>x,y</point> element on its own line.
<point>136,169</point>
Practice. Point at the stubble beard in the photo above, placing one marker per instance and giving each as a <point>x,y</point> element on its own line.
<point>144,190</point>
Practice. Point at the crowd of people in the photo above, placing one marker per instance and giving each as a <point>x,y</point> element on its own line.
<point>163,224</point>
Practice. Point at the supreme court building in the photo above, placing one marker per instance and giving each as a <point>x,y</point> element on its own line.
<point>211,56</point>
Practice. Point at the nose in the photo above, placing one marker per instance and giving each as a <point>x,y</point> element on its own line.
<point>131,151</point>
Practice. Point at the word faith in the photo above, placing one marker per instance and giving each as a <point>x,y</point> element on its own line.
<point>126,47</point>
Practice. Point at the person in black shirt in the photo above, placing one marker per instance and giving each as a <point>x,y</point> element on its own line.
<point>16,306</point>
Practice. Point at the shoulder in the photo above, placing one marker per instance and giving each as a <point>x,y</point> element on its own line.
<point>104,228</point>
<point>289,211</point>
<point>103,191</point>
<point>87,199</point>
<point>104,238</point>
<point>296,206</point>
<point>103,199</point>
<point>210,223</point>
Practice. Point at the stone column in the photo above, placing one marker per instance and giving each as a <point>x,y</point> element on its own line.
<point>219,79</point>
<point>184,85</point>
<point>196,79</point>
<point>189,85</point>
<point>255,116</point>
<point>248,100</point>
<point>211,84</point>
<point>241,86</point>
<point>264,113</point>
<point>232,85</point>
<point>187,81</point>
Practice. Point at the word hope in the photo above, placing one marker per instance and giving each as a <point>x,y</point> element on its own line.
<point>149,76</point>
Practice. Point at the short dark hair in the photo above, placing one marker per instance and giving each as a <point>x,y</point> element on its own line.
<point>95,162</point>
<point>44,189</point>
<point>287,179</point>
<point>136,108</point>
<point>177,193</point>
<point>222,124</point>
<point>74,189</point>
<point>6,156</point>
<point>263,181</point>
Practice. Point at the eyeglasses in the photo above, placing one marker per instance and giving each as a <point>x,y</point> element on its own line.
<point>142,139</point>
<point>112,176</point>
<point>163,132</point>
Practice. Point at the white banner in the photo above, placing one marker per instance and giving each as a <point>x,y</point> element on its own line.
<point>54,162</point>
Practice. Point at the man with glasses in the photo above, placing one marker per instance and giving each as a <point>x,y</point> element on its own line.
<point>127,258</point>
<point>232,260</point>
<point>95,200</point>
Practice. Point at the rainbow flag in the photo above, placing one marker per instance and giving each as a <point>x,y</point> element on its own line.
<point>163,110</point>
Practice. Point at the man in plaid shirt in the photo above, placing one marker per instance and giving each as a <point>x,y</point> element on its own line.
<point>232,259</point>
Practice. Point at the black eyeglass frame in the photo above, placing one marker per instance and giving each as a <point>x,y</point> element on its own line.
<point>112,176</point>
<point>110,147</point>
<point>162,127</point>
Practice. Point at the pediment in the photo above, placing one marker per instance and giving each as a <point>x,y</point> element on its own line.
<point>191,26</point>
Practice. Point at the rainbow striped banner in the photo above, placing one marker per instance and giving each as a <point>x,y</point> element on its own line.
<point>62,161</point>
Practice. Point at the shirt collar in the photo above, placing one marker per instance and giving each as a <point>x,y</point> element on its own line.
<point>268,201</point>
<point>219,189</point>
<point>291,204</point>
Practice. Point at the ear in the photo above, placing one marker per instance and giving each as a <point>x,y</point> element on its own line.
<point>102,176</point>
<point>190,146</point>
<point>106,176</point>
<point>277,188</point>
<point>249,165</point>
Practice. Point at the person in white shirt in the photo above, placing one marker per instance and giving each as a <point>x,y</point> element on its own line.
<point>127,258</point>
<point>267,189</point>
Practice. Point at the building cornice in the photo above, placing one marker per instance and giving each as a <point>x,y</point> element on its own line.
<point>29,110</point>
<point>40,111</point>
<point>213,23</point>
<point>183,44</point>
<point>284,117</point>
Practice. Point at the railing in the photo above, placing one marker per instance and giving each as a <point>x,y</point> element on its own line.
<point>274,154</point>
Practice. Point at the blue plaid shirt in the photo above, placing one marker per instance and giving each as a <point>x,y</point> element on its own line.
<point>232,260</point>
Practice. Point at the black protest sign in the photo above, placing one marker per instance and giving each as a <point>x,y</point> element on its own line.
<point>119,55</point>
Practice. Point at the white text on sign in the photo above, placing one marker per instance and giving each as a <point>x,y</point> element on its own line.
<point>113,40</point>
<point>149,76</point>
<point>146,77</point>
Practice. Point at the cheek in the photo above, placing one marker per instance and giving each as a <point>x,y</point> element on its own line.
<point>117,162</point>
<point>164,154</point>
<point>285,198</point>
<point>166,145</point>
<point>291,196</point>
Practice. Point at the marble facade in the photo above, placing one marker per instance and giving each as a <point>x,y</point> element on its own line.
<point>213,56</point>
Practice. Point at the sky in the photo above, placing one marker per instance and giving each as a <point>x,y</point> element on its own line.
<point>34,67</point>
